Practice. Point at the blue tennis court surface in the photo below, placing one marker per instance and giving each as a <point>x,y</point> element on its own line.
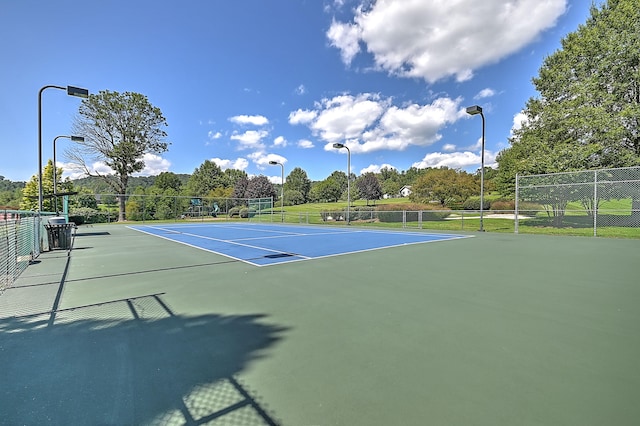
<point>261,245</point>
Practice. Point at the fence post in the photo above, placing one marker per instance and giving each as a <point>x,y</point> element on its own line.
<point>595,202</point>
<point>516,222</point>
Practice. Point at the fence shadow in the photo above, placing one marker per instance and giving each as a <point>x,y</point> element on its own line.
<point>96,366</point>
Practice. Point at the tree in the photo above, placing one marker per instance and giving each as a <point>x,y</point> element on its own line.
<point>369,187</point>
<point>444,185</point>
<point>205,178</point>
<point>260,187</point>
<point>168,180</point>
<point>118,130</point>
<point>588,112</point>
<point>231,176</point>
<point>239,190</point>
<point>30,191</point>
<point>298,181</point>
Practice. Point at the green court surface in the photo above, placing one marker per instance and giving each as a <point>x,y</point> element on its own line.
<point>498,329</point>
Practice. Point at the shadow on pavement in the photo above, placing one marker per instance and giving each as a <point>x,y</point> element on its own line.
<point>130,362</point>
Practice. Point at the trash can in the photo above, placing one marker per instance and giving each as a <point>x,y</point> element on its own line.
<point>59,236</point>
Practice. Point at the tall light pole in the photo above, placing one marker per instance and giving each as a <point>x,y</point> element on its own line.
<point>340,146</point>
<point>55,178</point>
<point>474,110</point>
<point>71,91</point>
<point>273,163</point>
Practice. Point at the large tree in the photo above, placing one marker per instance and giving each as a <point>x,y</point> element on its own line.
<point>587,114</point>
<point>205,179</point>
<point>369,187</point>
<point>298,181</point>
<point>444,185</point>
<point>118,130</point>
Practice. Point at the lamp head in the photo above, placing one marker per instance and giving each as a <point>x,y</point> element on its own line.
<point>273,163</point>
<point>77,91</point>
<point>474,110</point>
<point>338,145</point>
<point>77,139</point>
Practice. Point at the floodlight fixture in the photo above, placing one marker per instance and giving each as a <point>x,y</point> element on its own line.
<point>475,110</point>
<point>273,163</point>
<point>340,146</point>
<point>71,91</point>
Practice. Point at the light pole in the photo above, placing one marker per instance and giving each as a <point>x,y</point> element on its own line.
<point>71,91</point>
<point>474,110</point>
<point>340,146</point>
<point>273,163</point>
<point>55,178</point>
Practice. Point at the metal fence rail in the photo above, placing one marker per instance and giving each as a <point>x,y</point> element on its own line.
<point>605,197</point>
<point>22,238</point>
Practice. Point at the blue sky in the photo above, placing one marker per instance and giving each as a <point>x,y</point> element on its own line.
<point>246,82</point>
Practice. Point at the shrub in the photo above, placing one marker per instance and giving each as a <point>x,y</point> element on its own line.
<point>234,211</point>
<point>473,203</point>
<point>246,213</point>
<point>396,212</point>
<point>362,213</point>
<point>504,205</point>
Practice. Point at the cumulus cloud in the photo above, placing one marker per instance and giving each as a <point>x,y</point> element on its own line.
<point>449,147</point>
<point>262,158</point>
<point>255,120</point>
<point>519,120</point>
<point>153,166</point>
<point>456,160</point>
<point>302,116</point>
<point>433,40</point>
<point>375,168</point>
<point>485,93</point>
<point>368,122</point>
<point>301,90</point>
<point>251,139</point>
<point>305,143</point>
<point>280,141</point>
<point>238,163</point>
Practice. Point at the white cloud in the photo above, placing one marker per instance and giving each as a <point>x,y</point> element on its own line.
<point>255,120</point>
<point>433,40</point>
<point>345,37</point>
<point>261,159</point>
<point>251,139</point>
<point>375,168</point>
<point>485,93</point>
<point>238,163</point>
<point>367,122</point>
<point>448,147</point>
<point>302,116</point>
<point>304,143</point>
<point>301,90</point>
<point>153,166</point>
<point>519,120</point>
<point>280,141</point>
<point>456,160</point>
<point>214,135</point>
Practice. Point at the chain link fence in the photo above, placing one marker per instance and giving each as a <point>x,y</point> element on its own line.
<point>22,238</point>
<point>589,198</point>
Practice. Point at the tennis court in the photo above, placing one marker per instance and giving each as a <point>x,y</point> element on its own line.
<point>387,328</point>
<point>260,244</point>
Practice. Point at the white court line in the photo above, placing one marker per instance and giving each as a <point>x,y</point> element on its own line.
<point>230,242</point>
